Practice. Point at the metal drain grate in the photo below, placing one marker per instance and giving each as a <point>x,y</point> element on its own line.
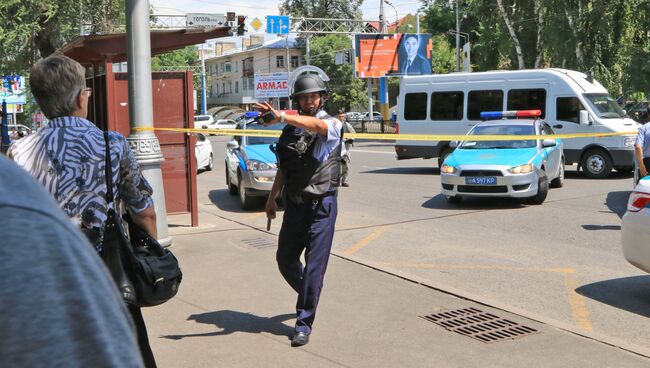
<point>259,243</point>
<point>479,325</point>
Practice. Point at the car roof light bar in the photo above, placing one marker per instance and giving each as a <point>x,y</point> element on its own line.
<point>488,115</point>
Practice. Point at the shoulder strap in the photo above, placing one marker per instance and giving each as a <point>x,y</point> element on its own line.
<point>109,171</point>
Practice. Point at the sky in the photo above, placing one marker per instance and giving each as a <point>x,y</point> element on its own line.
<point>262,8</point>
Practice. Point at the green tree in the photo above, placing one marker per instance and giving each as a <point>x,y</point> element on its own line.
<point>347,90</point>
<point>332,9</point>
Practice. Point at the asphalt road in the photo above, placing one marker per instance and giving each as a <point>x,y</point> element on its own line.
<point>559,263</point>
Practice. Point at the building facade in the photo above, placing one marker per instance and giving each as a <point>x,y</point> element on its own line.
<point>231,74</point>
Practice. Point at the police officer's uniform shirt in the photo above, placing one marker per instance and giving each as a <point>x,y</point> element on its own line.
<point>324,145</point>
<point>642,138</point>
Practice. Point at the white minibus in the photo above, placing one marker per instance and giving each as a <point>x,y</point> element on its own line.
<point>570,101</point>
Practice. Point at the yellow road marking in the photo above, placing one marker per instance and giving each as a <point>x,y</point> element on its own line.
<point>577,302</point>
<point>363,242</point>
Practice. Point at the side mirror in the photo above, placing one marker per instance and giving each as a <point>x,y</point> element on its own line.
<point>232,144</point>
<point>549,143</point>
<point>584,117</point>
<point>453,144</point>
<point>200,137</point>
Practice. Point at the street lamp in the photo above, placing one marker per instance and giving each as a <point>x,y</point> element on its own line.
<point>396,16</point>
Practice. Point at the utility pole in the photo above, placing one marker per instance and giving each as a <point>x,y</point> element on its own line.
<point>288,69</point>
<point>457,38</point>
<point>383,81</point>
<point>144,144</point>
<point>204,100</point>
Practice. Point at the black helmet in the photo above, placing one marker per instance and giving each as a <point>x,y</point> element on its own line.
<point>308,83</point>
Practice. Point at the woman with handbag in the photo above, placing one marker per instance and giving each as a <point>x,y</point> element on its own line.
<point>68,156</point>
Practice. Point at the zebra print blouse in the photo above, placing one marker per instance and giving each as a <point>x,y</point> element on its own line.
<point>68,157</point>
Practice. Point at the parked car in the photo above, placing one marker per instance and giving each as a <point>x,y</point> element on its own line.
<point>202,121</point>
<point>250,164</point>
<point>635,229</point>
<point>508,168</point>
<point>222,124</point>
<point>376,116</point>
<point>203,153</point>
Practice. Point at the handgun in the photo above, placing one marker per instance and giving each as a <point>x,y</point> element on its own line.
<point>268,223</point>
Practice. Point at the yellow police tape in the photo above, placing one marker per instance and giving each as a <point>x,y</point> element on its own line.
<point>393,137</point>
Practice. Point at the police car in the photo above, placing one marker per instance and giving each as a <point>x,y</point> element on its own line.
<point>635,229</point>
<point>505,168</point>
<point>250,163</point>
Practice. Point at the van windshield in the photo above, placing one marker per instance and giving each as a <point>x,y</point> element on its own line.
<point>604,106</point>
<point>500,130</point>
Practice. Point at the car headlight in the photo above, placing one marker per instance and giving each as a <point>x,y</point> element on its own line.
<point>629,141</point>
<point>448,169</point>
<point>521,169</point>
<point>254,165</point>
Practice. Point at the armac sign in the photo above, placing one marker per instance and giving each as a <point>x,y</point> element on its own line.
<point>270,85</point>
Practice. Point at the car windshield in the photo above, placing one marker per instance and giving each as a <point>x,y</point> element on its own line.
<point>604,106</point>
<point>262,140</point>
<point>500,130</point>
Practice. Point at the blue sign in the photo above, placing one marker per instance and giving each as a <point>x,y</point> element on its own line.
<point>278,24</point>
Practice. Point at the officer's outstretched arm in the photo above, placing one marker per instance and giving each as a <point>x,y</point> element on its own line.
<point>307,122</point>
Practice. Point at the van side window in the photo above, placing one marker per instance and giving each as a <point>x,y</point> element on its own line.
<point>568,109</point>
<point>527,99</point>
<point>479,101</point>
<point>447,105</point>
<point>415,106</point>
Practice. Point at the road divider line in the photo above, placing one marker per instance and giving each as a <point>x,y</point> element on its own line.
<point>392,137</point>
<point>578,305</point>
<point>365,241</point>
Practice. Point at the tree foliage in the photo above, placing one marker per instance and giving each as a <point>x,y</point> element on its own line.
<point>33,29</point>
<point>347,91</point>
<point>611,38</point>
<point>332,9</point>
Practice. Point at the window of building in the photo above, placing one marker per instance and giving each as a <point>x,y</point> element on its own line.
<point>229,87</point>
<point>279,61</point>
<point>479,101</point>
<point>244,84</point>
<point>223,87</point>
<point>415,106</point>
<point>251,83</point>
<point>568,109</point>
<point>295,61</point>
<point>447,105</point>
<point>527,99</point>
<point>236,86</point>
<point>227,67</point>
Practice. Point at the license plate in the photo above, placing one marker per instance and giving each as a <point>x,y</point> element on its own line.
<point>487,180</point>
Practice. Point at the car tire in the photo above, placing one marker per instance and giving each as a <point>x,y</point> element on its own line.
<point>245,200</point>
<point>210,165</point>
<point>559,181</point>
<point>232,188</point>
<point>542,192</point>
<point>596,164</point>
<point>453,199</point>
<point>446,152</point>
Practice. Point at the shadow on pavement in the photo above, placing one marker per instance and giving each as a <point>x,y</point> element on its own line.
<point>439,202</point>
<point>232,321</point>
<point>227,202</point>
<point>405,170</point>
<point>615,175</point>
<point>631,294</point>
<point>601,227</point>
<point>617,202</point>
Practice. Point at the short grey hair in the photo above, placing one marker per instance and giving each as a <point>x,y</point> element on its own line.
<point>56,82</point>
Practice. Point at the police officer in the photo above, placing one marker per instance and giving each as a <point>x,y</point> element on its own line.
<point>642,151</point>
<point>345,163</point>
<point>309,160</point>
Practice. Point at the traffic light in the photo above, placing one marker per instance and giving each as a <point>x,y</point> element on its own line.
<point>241,25</point>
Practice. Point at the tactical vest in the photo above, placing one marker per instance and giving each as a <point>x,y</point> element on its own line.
<point>302,173</point>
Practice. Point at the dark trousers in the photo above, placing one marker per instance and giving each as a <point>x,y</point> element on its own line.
<point>143,339</point>
<point>309,227</point>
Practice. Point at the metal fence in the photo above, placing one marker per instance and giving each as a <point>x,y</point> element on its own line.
<point>373,126</point>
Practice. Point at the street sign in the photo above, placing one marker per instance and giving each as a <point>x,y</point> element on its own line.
<point>205,20</point>
<point>256,24</point>
<point>278,24</point>
<point>271,85</point>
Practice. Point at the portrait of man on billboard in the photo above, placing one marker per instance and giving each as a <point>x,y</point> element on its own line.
<point>411,57</point>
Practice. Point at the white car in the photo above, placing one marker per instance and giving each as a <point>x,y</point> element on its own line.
<point>635,230</point>
<point>202,121</point>
<point>222,124</point>
<point>203,153</point>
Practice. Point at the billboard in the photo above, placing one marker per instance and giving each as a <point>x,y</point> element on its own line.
<point>268,85</point>
<point>392,55</point>
<point>12,89</point>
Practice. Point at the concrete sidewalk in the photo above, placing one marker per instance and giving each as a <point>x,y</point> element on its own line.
<point>235,310</point>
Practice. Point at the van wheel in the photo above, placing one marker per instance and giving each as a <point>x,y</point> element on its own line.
<point>210,164</point>
<point>232,188</point>
<point>559,181</point>
<point>441,159</point>
<point>596,164</point>
<point>542,192</point>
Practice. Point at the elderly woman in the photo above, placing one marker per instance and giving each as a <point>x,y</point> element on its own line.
<point>67,157</point>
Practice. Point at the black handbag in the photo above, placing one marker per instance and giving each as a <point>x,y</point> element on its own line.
<point>152,269</point>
